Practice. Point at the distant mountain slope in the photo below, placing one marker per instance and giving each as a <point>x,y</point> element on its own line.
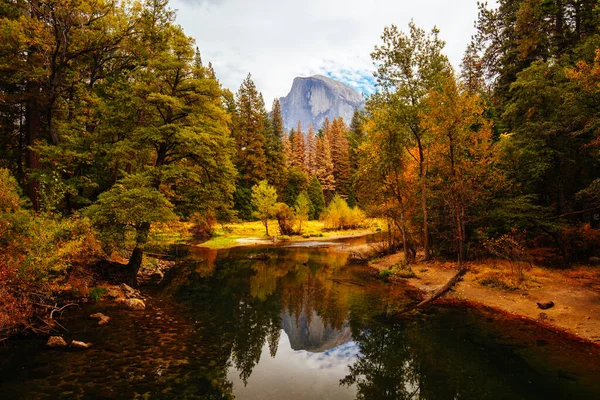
<point>314,98</point>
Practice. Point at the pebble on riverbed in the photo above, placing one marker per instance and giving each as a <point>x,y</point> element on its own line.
<point>102,319</point>
<point>56,341</point>
<point>76,344</point>
<point>134,304</point>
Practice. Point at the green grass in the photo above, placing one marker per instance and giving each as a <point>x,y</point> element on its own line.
<point>228,235</point>
<point>385,273</point>
<point>96,293</point>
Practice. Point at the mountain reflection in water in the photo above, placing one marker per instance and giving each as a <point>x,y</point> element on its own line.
<point>302,325</point>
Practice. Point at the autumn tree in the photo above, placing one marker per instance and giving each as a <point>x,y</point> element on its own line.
<point>264,198</point>
<point>324,163</point>
<point>340,156</point>
<point>310,151</point>
<point>463,162</point>
<point>286,146</point>
<point>298,147</point>
<point>385,181</point>
<point>302,210</point>
<point>409,65</point>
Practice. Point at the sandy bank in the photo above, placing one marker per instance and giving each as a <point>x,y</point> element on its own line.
<point>575,292</point>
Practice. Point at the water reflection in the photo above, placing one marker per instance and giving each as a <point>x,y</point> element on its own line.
<point>301,325</point>
<point>304,320</point>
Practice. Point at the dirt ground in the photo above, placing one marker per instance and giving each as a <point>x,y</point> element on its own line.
<point>575,292</point>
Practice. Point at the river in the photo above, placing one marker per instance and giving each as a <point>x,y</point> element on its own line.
<point>304,324</point>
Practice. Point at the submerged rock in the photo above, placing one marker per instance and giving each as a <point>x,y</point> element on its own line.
<point>76,344</point>
<point>102,319</point>
<point>56,341</point>
<point>134,304</point>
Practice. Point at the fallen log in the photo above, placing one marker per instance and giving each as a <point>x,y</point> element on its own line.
<point>441,291</point>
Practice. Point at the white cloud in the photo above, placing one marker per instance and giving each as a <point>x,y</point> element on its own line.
<point>277,40</point>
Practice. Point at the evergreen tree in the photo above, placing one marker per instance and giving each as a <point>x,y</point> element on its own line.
<point>298,147</point>
<point>286,145</point>
<point>356,136</point>
<point>340,156</point>
<point>274,151</point>
<point>325,162</point>
<point>249,134</point>
<point>179,153</point>
<point>296,183</point>
<point>310,153</point>
<point>315,194</point>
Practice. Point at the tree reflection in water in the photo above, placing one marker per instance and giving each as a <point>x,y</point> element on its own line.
<point>322,303</point>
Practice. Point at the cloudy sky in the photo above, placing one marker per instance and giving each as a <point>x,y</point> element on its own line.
<point>277,40</point>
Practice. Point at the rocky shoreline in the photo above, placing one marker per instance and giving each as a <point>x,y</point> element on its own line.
<point>122,296</point>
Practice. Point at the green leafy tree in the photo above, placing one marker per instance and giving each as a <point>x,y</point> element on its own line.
<point>264,198</point>
<point>409,65</point>
<point>302,209</point>
<point>131,204</point>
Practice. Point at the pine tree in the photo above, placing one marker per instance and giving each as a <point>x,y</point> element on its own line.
<point>274,151</point>
<point>310,151</point>
<point>315,194</point>
<point>286,144</point>
<point>298,147</point>
<point>249,134</point>
<point>340,156</point>
<point>356,136</point>
<point>324,162</point>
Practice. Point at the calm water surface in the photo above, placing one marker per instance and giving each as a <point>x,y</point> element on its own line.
<point>303,325</point>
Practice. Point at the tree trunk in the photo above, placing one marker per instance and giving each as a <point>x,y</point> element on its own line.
<point>402,227</point>
<point>32,134</point>
<point>135,261</point>
<point>460,238</point>
<point>133,266</point>
<point>425,222</point>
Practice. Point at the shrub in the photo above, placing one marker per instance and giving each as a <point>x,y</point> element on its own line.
<point>285,218</point>
<point>338,215</point>
<point>203,225</point>
<point>36,252</point>
<point>511,247</point>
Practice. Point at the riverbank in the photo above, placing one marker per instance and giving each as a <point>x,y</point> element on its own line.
<point>575,292</point>
<point>253,233</point>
